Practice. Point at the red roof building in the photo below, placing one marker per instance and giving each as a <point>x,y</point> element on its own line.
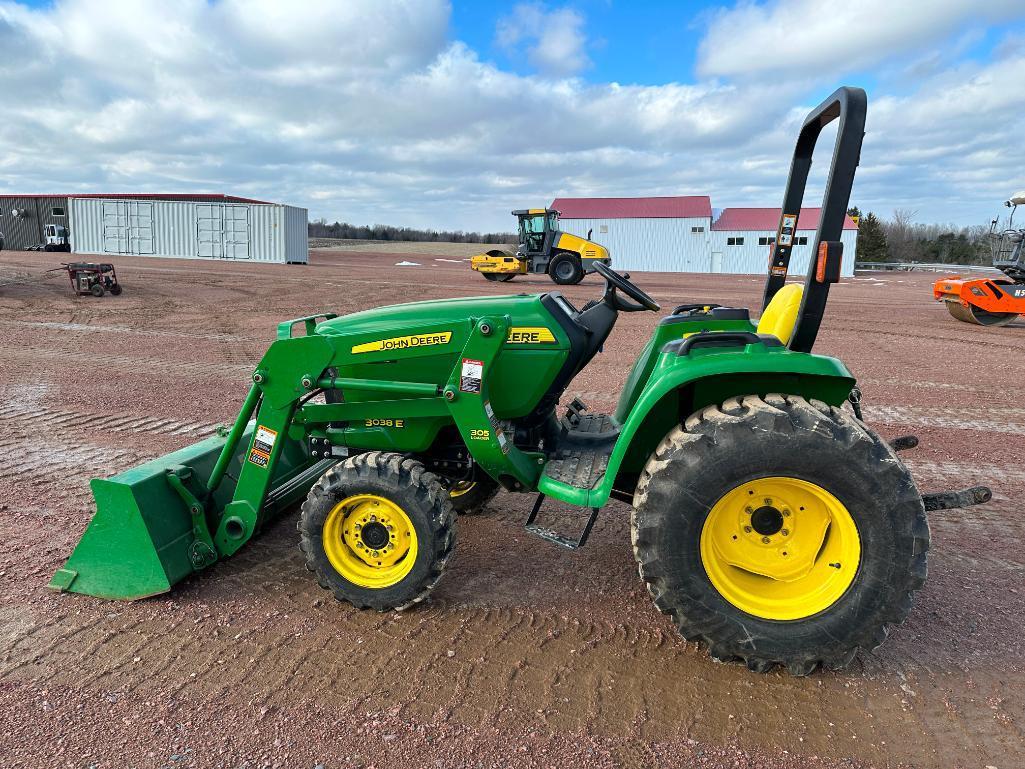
<point>767,220</point>
<point>680,207</point>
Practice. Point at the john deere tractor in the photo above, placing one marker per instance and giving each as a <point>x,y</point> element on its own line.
<point>543,248</point>
<point>768,519</point>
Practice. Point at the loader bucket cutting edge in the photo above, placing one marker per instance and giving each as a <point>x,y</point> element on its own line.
<point>139,542</point>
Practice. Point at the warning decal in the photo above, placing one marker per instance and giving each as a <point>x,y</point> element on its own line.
<point>259,458</point>
<point>264,440</point>
<point>787,229</point>
<point>471,375</point>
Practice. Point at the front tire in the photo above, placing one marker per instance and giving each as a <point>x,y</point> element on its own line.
<point>779,531</point>
<point>565,269</point>
<point>498,277</point>
<point>378,531</point>
<point>96,289</point>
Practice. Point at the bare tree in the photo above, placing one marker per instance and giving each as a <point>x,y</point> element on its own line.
<point>899,236</point>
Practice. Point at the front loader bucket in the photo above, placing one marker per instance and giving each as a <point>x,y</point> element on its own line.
<point>143,538</point>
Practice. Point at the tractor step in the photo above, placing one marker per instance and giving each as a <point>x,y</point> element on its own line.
<point>580,467</point>
<point>579,425</point>
<point>554,537</point>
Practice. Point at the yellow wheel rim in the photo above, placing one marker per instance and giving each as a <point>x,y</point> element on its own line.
<point>370,541</point>
<point>459,488</point>
<point>780,548</point>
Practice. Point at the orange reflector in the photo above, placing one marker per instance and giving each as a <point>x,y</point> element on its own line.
<point>827,267</point>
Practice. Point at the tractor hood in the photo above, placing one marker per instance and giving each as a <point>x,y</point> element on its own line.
<point>522,309</point>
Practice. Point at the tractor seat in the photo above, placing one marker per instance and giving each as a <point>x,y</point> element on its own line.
<point>779,318</point>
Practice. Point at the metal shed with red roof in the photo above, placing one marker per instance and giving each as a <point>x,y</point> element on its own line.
<point>685,234</point>
<point>742,239</point>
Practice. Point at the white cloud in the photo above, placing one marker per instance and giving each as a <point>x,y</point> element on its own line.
<point>831,36</point>
<point>554,40</point>
<point>369,113</point>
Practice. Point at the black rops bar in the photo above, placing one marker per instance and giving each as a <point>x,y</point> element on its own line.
<point>850,105</point>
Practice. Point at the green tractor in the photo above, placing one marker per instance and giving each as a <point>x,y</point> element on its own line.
<point>772,523</point>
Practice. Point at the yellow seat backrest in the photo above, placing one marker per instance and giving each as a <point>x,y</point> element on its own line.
<point>780,317</point>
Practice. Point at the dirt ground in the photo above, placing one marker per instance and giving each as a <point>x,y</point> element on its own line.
<point>527,655</point>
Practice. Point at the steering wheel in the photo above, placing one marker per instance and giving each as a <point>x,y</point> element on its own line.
<point>613,281</point>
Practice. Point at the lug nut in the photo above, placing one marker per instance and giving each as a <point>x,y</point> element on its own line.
<point>749,510</point>
<point>785,532</point>
<point>747,529</point>
<point>765,540</point>
<point>768,500</point>
<point>786,513</point>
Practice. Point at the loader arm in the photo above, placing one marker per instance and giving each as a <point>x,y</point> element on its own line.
<point>162,521</point>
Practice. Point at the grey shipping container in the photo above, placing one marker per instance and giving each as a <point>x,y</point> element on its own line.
<point>23,217</point>
<point>190,229</point>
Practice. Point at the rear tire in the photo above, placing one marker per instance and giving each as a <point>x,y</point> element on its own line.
<point>472,497</point>
<point>565,269</point>
<point>96,289</point>
<point>748,440</point>
<point>116,290</point>
<point>387,496</point>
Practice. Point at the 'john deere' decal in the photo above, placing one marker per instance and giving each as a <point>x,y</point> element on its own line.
<point>405,342</point>
<point>530,335</point>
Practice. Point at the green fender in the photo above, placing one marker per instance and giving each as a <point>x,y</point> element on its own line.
<point>679,386</point>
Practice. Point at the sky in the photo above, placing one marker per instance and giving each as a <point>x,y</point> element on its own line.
<point>427,113</point>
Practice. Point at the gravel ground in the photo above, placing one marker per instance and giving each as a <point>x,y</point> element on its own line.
<point>526,655</point>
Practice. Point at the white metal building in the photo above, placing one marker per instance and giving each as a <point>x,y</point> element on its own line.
<point>680,234</point>
<point>189,226</point>
<point>653,234</point>
<point>741,239</point>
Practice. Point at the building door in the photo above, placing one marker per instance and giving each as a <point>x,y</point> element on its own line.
<point>115,227</point>
<point>236,232</point>
<point>210,230</point>
<point>717,261</point>
<point>140,227</point>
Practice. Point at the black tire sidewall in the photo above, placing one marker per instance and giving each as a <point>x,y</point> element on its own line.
<point>561,258</point>
<point>422,516</point>
<point>883,510</point>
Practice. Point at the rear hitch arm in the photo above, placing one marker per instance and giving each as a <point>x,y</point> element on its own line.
<point>948,500</point>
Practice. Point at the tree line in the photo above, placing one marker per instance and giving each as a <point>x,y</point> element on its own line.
<point>902,239</point>
<point>346,231</point>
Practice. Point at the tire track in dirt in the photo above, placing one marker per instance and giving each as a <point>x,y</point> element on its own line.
<point>88,328</point>
<point>951,418</point>
<point>178,368</point>
<point>63,420</point>
<point>540,671</point>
